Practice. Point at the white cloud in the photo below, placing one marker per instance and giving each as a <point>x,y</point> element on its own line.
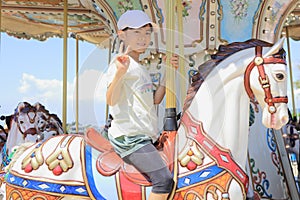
<point>92,89</point>
<point>92,85</point>
<point>40,89</point>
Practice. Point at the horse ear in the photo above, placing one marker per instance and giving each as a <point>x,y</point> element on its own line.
<point>20,106</point>
<point>37,105</point>
<point>275,48</point>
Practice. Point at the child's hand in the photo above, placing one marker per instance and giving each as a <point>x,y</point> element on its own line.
<point>123,61</point>
<point>174,61</point>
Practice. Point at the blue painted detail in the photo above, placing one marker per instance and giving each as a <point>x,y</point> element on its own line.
<point>199,176</point>
<point>32,155</point>
<point>89,174</point>
<point>46,186</point>
<point>271,140</point>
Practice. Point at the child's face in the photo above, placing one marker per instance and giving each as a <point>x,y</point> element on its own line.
<point>138,39</point>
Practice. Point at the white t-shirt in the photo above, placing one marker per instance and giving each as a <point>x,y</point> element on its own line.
<point>135,112</point>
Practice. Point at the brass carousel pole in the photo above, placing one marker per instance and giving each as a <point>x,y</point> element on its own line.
<point>65,34</point>
<point>170,123</point>
<point>77,82</point>
<point>109,59</point>
<point>291,72</point>
<point>181,52</point>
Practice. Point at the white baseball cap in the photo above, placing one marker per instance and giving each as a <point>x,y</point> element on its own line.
<point>134,19</point>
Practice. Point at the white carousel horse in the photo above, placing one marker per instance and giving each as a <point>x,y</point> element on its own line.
<point>22,125</point>
<point>30,124</point>
<point>207,155</point>
<point>47,124</point>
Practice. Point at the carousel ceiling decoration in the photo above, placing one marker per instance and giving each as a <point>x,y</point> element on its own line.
<point>292,23</point>
<point>41,19</point>
<point>95,20</point>
<point>91,20</point>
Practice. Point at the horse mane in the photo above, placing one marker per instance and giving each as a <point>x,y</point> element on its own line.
<point>56,118</point>
<point>22,107</point>
<point>41,108</point>
<point>223,52</point>
<point>8,121</point>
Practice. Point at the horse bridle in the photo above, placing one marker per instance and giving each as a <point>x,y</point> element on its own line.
<point>259,62</point>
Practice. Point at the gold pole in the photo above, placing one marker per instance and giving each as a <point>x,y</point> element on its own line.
<point>291,71</point>
<point>170,72</point>
<point>77,81</point>
<point>170,122</point>
<point>109,59</point>
<point>65,45</point>
<point>181,52</point>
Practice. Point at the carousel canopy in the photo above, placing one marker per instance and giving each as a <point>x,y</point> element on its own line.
<point>41,19</point>
<point>95,20</point>
<point>292,24</point>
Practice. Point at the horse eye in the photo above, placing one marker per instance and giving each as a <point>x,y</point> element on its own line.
<point>279,76</point>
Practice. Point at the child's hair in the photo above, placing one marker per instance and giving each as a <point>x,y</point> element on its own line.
<point>128,28</point>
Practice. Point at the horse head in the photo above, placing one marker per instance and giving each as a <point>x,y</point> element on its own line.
<point>53,127</point>
<point>25,116</point>
<point>268,76</point>
<point>47,125</point>
<point>21,126</point>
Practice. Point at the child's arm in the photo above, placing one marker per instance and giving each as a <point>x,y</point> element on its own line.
<point>161,90</point>
<point>114,89</point>
<point>159,94</point>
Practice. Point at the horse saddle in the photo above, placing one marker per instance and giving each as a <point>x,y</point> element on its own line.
<point>109,162</point>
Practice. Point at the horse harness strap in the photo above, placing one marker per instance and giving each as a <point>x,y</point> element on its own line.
<point>259,62</point>
<point>220,155</point>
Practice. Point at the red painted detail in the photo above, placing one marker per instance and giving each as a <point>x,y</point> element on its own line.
<point>57,170</point>
<point>191,165</point>
<point>28,168</point>
<point>130,190</point>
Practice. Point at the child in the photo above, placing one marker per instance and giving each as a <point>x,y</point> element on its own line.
<point>132,104</point>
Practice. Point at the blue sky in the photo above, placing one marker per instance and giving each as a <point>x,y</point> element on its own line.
<point>32,71</point>
<point>295,47</point>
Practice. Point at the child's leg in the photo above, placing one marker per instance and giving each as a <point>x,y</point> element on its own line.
<point>148,161</point>
<point>154,196</point>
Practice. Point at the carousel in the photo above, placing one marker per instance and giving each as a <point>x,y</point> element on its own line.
<point>229,118</point>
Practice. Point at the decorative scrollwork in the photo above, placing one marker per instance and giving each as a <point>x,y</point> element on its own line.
<point>262,189</point>
<point>191,194</point>
<point>271,140</point>
<point>239,8</point>
<point>276,163</point>
<point>261,182</point>
<point>273,147</point>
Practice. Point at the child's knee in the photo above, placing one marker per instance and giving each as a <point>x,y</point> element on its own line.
<point>167,180</point>
<point>164,185</point>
